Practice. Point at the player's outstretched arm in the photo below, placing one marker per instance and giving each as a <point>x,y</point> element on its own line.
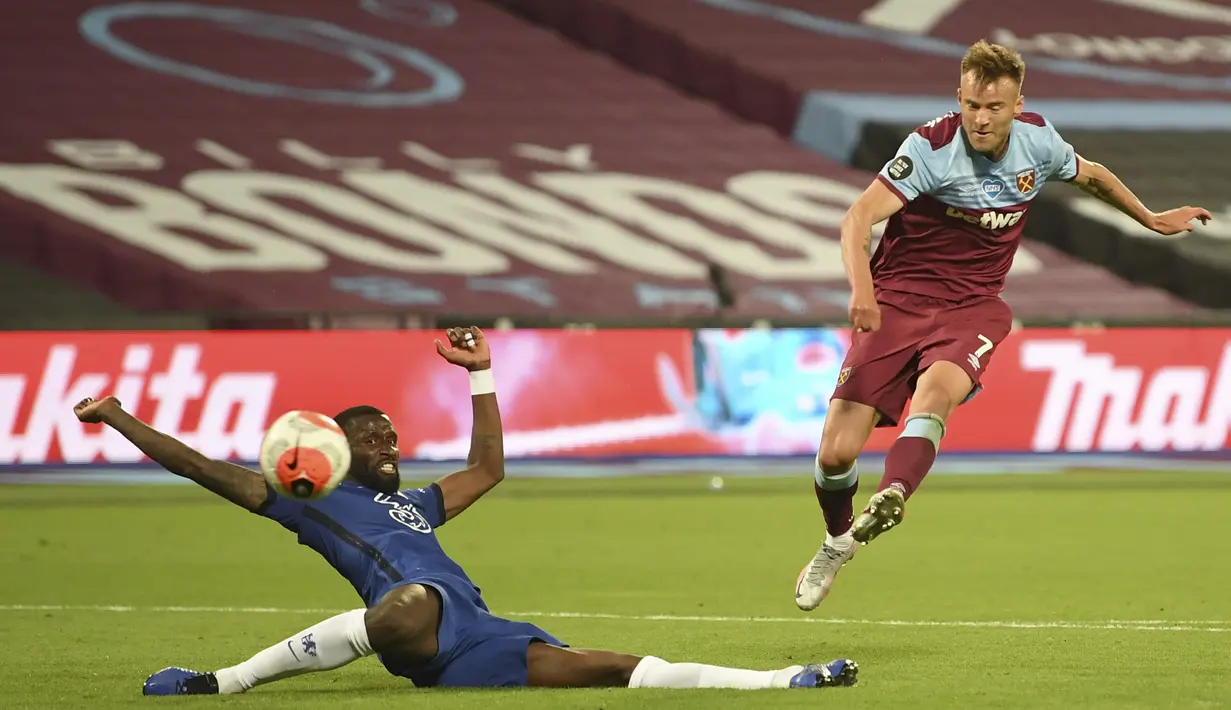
<point>1100,182</point>
<point>877,204</point>
<point>237,484</point>
<point>485,463</point>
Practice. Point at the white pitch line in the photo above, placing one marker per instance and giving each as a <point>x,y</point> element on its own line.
<point>1213,625</point>
<point>177,609</point>
<point>1194,622</point>
<point>1072,625</point>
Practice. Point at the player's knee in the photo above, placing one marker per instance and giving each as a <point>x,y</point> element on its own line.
<point>941,388</point>
<point>835,462</point>
<point>847,427</point>
<point>937,400</point>
<point>403,619</point>
<point>837,456</point>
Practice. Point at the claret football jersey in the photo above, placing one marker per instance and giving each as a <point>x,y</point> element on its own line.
<point>963,216</point>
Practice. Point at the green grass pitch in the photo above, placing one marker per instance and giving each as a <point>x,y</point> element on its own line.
<point>1081,590</point>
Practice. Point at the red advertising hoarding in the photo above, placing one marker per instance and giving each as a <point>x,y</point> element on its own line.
<point>601,393</point>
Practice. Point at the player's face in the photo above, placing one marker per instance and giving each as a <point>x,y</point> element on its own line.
<point>374,453</point>
<point>988,111</point>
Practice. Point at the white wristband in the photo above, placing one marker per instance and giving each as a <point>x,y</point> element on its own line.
<point>482,382</point>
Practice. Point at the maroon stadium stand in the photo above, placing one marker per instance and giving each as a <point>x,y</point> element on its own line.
<point>1141,86</point>
<point>761,57</point>
<point>444,157</point>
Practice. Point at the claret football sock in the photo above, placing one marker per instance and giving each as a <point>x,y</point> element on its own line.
<point>835,494</point>
<point>330,644</point>
<point>912,455</point>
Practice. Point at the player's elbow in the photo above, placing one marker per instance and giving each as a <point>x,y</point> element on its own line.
<point>196,470</point>
<point>856,225</point>
<point>492,470</point>
<point>850,222</point>
<point>855,216</point>
<point>487,478</point>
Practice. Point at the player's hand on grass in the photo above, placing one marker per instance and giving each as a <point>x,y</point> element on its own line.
<point>865,313</point>
<point>1179,220</point>
<point>467,348</point>
<point>93,411</point>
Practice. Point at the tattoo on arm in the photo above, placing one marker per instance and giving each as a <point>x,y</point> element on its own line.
<point>485,444</point>
<point>1099,189</point>
<point>1110,190</point>
<point>237,484</point>
<point>485,463</point>
<point>487,435</point>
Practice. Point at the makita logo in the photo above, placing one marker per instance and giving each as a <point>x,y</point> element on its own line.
<point>987,220</point>
<point>234,407</point>
<point>1093,404</point>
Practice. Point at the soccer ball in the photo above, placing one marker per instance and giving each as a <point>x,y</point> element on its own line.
<point>304,455</point>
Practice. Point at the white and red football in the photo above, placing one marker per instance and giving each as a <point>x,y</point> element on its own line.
<point>304,455</point>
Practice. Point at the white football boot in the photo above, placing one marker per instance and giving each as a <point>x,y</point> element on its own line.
<point>816,578</point>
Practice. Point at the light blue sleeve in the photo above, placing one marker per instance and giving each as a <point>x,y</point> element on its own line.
<point>915,170</point>
<point>1062,157</point>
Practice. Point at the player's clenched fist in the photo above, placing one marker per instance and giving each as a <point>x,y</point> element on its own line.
<point>865,313</point>
<point>92,411</point>
<point>468,349</point>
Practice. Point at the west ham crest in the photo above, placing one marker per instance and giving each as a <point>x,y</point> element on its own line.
<point>843,375</point>
<point>1025,181</point>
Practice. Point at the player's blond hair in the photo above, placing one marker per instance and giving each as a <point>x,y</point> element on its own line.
<point>990,62</point>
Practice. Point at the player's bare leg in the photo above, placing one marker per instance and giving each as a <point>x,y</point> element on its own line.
<point>402,624</point>
<point>939,391</point>
<point>836,479</point>
<point>555,667</point>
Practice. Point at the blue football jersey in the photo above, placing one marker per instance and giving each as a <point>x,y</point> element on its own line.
<point>377,541</point>
<point>964,213</point>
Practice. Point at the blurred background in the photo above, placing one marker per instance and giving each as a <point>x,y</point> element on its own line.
<point>224,211</point>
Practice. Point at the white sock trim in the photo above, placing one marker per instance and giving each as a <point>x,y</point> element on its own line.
<point>925,426</point>
<point>840,482</point>
<point>841,542</point>
<point>643,667</point>
<point>357,631</point>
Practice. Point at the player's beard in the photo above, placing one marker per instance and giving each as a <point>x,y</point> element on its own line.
<point>371,477</point>
<point>982,143</point>
<point>386,482</point>
<point>992,143</point>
